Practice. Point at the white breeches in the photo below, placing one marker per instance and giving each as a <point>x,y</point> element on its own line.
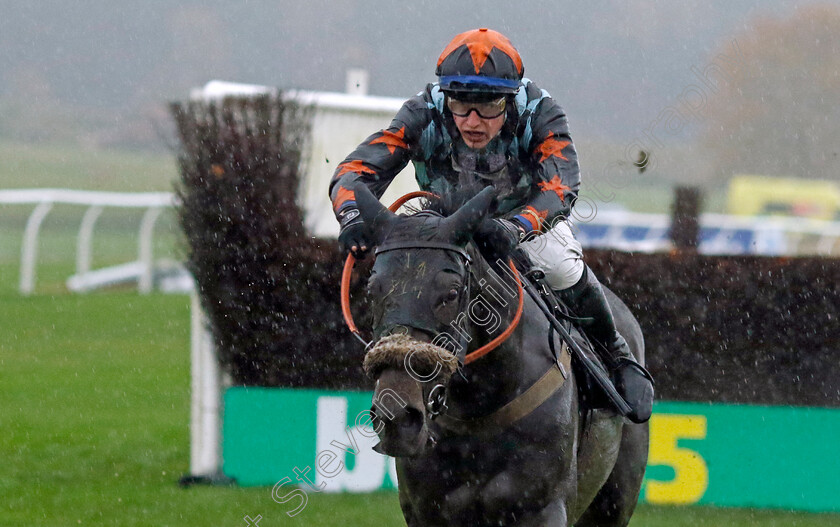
<point>557,254</point>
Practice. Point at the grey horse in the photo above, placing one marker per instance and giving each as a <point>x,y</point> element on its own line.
<point>461,460</point>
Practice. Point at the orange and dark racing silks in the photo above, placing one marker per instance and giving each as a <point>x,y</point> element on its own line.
<point>540,168</point>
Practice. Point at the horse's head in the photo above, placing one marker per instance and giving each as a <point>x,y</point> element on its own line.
<point>418,287</point>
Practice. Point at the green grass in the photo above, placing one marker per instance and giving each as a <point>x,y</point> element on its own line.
<point>94,389</point>
<point>94,420</point>
<point>95,393</point>
<point>651,198</point>
<point>650,516</point>
<point>94,414</point>
<point>50,166</point>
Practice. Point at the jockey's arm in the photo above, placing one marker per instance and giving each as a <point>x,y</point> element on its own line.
<point>556,173</point>
<point>380,157</point>
<point>374,163</point>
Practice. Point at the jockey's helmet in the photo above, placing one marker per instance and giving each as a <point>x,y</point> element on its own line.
<point>480,62</point>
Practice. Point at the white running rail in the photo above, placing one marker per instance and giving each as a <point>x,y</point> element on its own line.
<point>720,234</point>
<point>44,199</point>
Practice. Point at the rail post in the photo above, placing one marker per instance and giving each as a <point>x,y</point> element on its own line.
<point>145,255</point>
<point>85,240</point>
<point>29,252</point>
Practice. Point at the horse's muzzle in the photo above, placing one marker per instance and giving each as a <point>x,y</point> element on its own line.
<point>398,414</point>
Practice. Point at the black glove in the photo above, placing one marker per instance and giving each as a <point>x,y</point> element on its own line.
<point>497,238</point>
<point>352,233</point>
<point>521,260</point>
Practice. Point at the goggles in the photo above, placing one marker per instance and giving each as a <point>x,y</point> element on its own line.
<point>485,109</point>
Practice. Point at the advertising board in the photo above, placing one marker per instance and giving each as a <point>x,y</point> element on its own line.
<point>304,441</point>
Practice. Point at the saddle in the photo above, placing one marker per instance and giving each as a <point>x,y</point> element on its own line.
<point>586,364</point>
<point>591,396</point>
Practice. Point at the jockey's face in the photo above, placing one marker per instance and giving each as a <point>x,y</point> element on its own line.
<point>477,131</point>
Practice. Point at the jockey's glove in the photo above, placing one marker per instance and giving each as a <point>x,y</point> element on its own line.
<point>497,238</point>
<point>353,236</point>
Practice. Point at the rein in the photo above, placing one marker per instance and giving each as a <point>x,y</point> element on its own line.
<point>351,260</point>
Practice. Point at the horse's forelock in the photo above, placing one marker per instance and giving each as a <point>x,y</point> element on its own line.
<point>421,225</point>
<point>423,221</point>
<point>424,224</point>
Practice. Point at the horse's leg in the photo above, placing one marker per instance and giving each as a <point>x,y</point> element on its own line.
<point>616,501</point>
<point>422,505</point>
<point>408,510</point>
<point>555,515</point>
<point>541,481</point>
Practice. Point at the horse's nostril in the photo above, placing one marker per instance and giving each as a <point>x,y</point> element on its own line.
<point>375,420</point>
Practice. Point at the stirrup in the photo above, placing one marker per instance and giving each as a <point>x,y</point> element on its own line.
<point>633,362</point>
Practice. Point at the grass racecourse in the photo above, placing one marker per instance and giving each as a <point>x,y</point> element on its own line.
<point>94,391</point>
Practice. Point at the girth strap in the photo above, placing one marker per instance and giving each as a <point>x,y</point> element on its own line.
<point>521,406</point>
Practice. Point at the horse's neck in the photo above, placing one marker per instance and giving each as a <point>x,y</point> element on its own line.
<point>490,381</point>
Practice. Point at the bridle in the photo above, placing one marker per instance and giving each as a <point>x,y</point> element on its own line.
<point>435,398</point>
<point>409,245</point>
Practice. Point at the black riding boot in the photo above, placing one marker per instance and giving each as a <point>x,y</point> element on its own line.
<point>631,379</point>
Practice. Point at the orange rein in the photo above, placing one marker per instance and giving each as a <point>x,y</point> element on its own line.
<point>496,342</point>
<point>477,354</point>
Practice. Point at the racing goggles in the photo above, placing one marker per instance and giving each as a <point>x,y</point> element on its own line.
<point>485,109</point>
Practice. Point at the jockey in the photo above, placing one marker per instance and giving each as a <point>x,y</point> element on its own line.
<point>482,122</point>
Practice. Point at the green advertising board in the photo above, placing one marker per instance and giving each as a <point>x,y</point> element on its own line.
<point>272,433</point>
<point>744,456</point>
<point>723,455</point>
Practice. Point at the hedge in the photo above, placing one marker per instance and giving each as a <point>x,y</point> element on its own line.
<point>727,329</point>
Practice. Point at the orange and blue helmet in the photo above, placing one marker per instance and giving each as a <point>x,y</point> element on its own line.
<point>480,61</point>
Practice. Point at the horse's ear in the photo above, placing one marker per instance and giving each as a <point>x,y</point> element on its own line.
<point>461,225</point>
<point>376,216</point>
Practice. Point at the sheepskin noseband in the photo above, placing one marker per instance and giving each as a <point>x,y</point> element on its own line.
<point>393,351</point>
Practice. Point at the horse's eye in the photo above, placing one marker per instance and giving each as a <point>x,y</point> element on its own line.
<point>453,295</point>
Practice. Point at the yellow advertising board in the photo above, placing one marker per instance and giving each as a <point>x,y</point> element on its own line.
<point>753,195</point>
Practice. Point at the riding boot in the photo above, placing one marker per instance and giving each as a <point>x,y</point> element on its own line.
<point>632,381</point>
